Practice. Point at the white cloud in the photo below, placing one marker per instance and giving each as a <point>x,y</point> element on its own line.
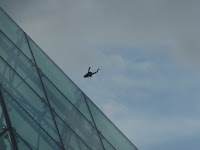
<point>114,109</point>
<point>127,82</point>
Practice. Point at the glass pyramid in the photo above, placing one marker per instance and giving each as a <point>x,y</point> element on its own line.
<point>40,107</point>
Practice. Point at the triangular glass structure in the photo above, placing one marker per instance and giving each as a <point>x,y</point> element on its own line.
<point>40,107</point>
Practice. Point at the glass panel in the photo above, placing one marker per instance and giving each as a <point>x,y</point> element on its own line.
<point>106,144</point>
<point>20,143</point>
<point>14,33</point>
<point>72,116</point>
<point>59,102</point>
<point>35,106</point>
<point>27,128</point>
<point>22,65</point>
<point>109,130</point>
<point>3,125</point>
<point>70,139</point>
<point>5,142</point>
<point>59,79</point>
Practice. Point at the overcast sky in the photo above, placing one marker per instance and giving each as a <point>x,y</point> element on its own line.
<point>148,52</point>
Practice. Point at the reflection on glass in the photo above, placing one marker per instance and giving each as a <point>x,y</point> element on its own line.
<point>28,99</point>
<point>27,128</point>
<point>106,144</point>
<point>109,130</point>
<point>69,138</point>
<point>5,142</point>
<point>15,34</point>
<point>59,102</point>
<point>21,64</point>
<point>21,143</point>
<point>3,125</point>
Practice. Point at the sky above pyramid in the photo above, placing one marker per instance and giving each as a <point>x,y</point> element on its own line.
<point>148,53</point>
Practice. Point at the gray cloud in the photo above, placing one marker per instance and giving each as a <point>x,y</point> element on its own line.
<point>78,23</point>
<point>72,31</point>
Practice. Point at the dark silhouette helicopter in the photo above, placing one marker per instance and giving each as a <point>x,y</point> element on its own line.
<point>89,74</point>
